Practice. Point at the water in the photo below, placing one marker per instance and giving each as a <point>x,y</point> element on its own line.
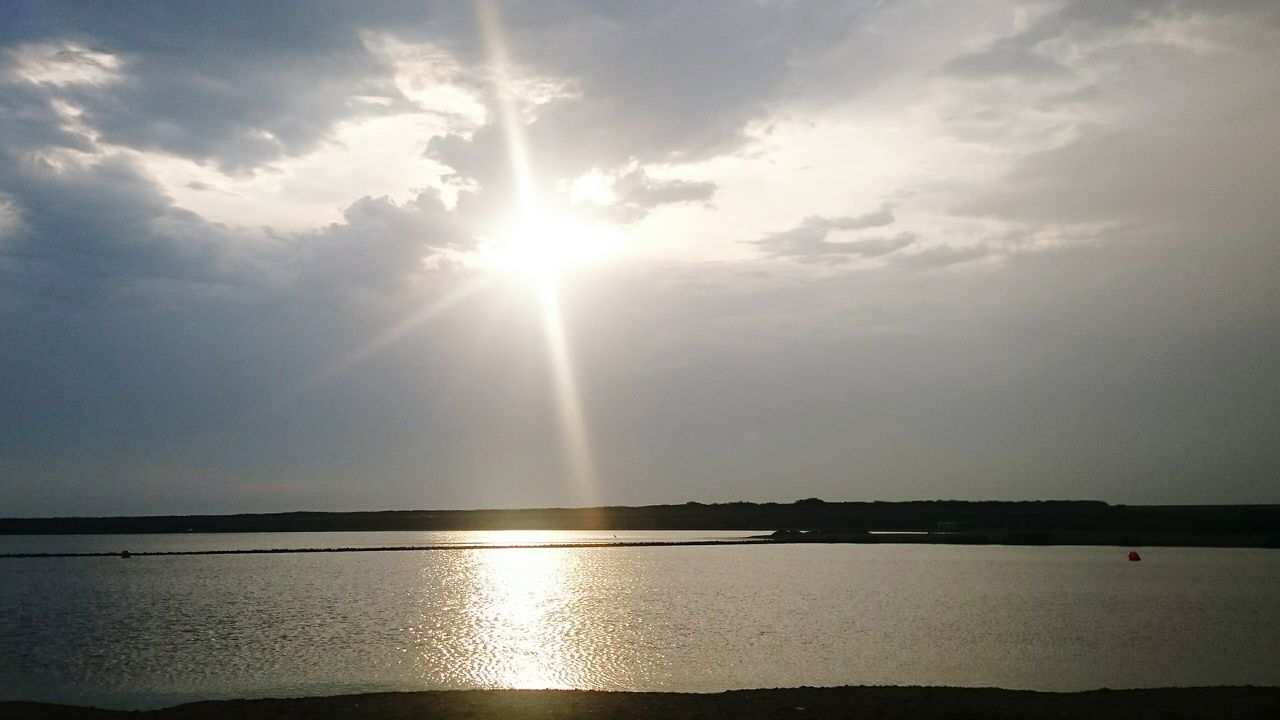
<point>153,631</point>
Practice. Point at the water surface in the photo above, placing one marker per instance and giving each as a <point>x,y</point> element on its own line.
<point>152,631</point>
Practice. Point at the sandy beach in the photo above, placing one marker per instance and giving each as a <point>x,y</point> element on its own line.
<point>887,703</point>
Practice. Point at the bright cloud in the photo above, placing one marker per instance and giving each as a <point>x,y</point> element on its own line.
<point>62,64</point>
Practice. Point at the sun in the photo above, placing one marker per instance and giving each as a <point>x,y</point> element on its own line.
<point>542,246</point>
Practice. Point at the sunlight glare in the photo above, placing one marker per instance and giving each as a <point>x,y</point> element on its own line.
<point>543,246</point>
<point>525,643</point>
<point>540,246</point>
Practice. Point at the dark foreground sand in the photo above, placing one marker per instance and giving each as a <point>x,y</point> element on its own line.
<point>885,703</point>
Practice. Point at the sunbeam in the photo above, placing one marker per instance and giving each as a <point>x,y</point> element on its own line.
<point>375,345</point>
<point>394,332</point>
<point>573,424</point>
<point>541,248</point>
<point>518,154</point>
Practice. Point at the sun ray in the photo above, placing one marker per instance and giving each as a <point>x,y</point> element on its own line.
<point>535,243</point>
<point>375,345</point>
<point>395,332</point>
<point>573,423</point>
<point>517,152</point>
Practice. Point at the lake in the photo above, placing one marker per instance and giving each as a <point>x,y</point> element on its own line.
<point>152,631</point>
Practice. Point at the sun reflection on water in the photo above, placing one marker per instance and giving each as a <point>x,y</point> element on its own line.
<point>519,601</point>
<point>520,617</point>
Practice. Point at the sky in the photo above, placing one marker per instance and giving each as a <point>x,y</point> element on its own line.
<point>387,255</point>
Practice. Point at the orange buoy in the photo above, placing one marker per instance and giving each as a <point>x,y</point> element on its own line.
<point>1134,556</point>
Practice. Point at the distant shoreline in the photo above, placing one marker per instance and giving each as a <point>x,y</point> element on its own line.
<point>887,703</point>
<point>1050,522</point>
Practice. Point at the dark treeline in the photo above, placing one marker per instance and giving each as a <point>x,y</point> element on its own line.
<point>810,514</point>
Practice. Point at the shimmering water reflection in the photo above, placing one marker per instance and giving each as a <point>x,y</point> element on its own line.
<point>521,600</point>
<point>152,631</point>
<point>530,618</point>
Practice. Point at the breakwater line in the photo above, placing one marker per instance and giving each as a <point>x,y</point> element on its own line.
<point>394,548</point>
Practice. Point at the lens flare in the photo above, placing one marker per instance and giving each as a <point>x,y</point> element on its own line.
<point>540,245</point>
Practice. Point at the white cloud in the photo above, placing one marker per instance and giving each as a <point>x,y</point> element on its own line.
<point>432,78</point>
<point>381,156</point>
<point>62,63</point>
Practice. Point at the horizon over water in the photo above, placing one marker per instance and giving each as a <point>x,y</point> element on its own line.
<point>156,631</point>
<point>371,539</point>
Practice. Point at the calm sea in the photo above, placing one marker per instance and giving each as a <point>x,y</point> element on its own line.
<point>152,631</point>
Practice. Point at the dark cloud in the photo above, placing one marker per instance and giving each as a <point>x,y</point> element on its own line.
<point>1077,23</point>
<point>1008,59</point>
<point>85,228</point>
<point>88,233</point>
<point>232,85</point>
<point>709,69</point>
<point>808,241</point>
<point>637,188</point>
<point>238,87</point>
<point>27,121</point>
<point>941,256</point>
<point>636,194</point>
<point>380,245</point>
<point>1188,146</point>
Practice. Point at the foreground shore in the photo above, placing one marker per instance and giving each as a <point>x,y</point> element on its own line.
<point>885,703</point>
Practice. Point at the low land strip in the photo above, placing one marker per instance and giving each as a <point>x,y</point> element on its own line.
<point>942,521</point>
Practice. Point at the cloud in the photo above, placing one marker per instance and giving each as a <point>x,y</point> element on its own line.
<point>1005,59</point>
<point>941,256</point>
<point>1176,132</point>
<point>875,218</point>
<point>380,245</point>
<point>83,227</point>
<point>62,63</point>
<point>1045,47</point>
<point>693,99</point>
<point>631,195</point>
<point>637,189</point>
<point>79,231</point>
<point>235,98</point>
<point>698,89</point>
<point>808,241</point>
